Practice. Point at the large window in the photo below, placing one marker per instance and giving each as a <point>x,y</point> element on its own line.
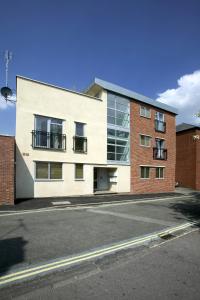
<point>145,140</point>
<point>118,128</point>
<point>48,170</point>
<point>78,171</point>
<point>118,111</point>
<point>48,133</point>
<point>80,141</point>
<point>117,145</point>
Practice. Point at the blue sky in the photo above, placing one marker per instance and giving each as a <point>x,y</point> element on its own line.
<point>144,45</point>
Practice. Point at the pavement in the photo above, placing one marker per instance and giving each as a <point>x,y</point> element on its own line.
<point>38,203</point>
<point>42,243</point>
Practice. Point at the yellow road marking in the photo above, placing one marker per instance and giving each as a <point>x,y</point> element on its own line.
<point>87,256</point>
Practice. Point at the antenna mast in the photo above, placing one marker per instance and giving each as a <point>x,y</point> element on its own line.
<point>8,58</point>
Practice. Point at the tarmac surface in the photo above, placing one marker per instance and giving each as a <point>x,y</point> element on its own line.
<point>34,237</point>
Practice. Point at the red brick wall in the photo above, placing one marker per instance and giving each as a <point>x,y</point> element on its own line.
<point>144,155</point>
<point>188,159</point>
<point>7,170</point>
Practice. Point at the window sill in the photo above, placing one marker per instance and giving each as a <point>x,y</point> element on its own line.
<point>145,117</point>
<point>144,178</point>
<point>81,179</point>
<point>159,178</point>
<point>157,130</point>
<point>48,180</point>
<point>145,146</point>
<point>50,149</point>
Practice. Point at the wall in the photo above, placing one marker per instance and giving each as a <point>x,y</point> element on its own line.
<point>7,170</point>
<point>37,98</point>
<point>188,159</point>
<point>144,155</point>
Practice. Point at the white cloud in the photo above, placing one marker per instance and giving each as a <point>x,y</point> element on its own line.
<point>186,97</point>
<point>5,104</point>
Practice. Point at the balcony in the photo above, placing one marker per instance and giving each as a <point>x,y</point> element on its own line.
<point>80,144</point>
<point>160,154</point>
<point>48,140</point>
<point>160,126</point>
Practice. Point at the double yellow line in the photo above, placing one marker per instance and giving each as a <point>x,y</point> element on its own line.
<point>86,256</point>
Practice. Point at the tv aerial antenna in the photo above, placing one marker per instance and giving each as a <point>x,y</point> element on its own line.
<point>6,91</point>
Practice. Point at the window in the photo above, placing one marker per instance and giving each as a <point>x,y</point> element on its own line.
<point>118,111</point>
<point>48,170</point>
<point>145,112</point>
<point>117,145</point>
<point>48,133</point>
<point>159,172</point>
<point>159,152</point>
<point>118,128</point>
<point>144,172</point>
<point>160,124</point>
<point>80,141</point>
<point>145,140</point>
<point>79,171</point>
<point>79,129</point>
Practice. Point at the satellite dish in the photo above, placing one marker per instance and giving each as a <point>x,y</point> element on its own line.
<point>6,92</point>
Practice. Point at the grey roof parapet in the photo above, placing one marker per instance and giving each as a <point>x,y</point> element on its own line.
<point>122,91</point>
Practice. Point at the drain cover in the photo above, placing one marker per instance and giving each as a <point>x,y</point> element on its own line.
<point>167,236</point>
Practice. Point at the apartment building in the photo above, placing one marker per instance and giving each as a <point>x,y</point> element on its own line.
<point>188,155</point>
<point>104,139</point>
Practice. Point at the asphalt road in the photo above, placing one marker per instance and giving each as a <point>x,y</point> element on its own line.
<point>38,237</point>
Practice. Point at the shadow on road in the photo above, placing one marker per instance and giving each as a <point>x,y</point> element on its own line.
<point>11,253</point>
<point>190,209</point>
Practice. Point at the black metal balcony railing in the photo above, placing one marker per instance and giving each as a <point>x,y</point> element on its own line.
<point>80,144</point>
<point>160,126</point>
<point>48,140</point>
<point>159,153</point>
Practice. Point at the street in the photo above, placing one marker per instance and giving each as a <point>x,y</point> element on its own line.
<point>110,261</point>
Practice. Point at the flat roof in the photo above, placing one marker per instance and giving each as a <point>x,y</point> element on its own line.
<point>186,126</point>
<point>131,94</point>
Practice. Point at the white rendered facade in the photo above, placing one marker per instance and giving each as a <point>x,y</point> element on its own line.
<point>42,107</point>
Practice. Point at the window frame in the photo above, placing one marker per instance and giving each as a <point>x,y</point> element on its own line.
<point>82,137</point>
<point>116,109</point>
<point>49,121</point>
<point>159,168</point>
<point>75,173</point>
<point>145,111</point>
<point>145,136</point>
<point>144,167</point>
<point>48,170</point>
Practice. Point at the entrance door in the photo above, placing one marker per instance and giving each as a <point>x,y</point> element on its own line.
<point>95,179</point>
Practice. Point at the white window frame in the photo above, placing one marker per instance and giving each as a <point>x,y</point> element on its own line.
<point>163,168</point>
<point>157,116</point>
<point>146,136</point>
<point>145,115</point>
<point>49,171</point>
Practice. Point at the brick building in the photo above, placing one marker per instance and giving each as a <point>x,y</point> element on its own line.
<point>7,169</point>
<point>153,149</point>
<point>188,156</point>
